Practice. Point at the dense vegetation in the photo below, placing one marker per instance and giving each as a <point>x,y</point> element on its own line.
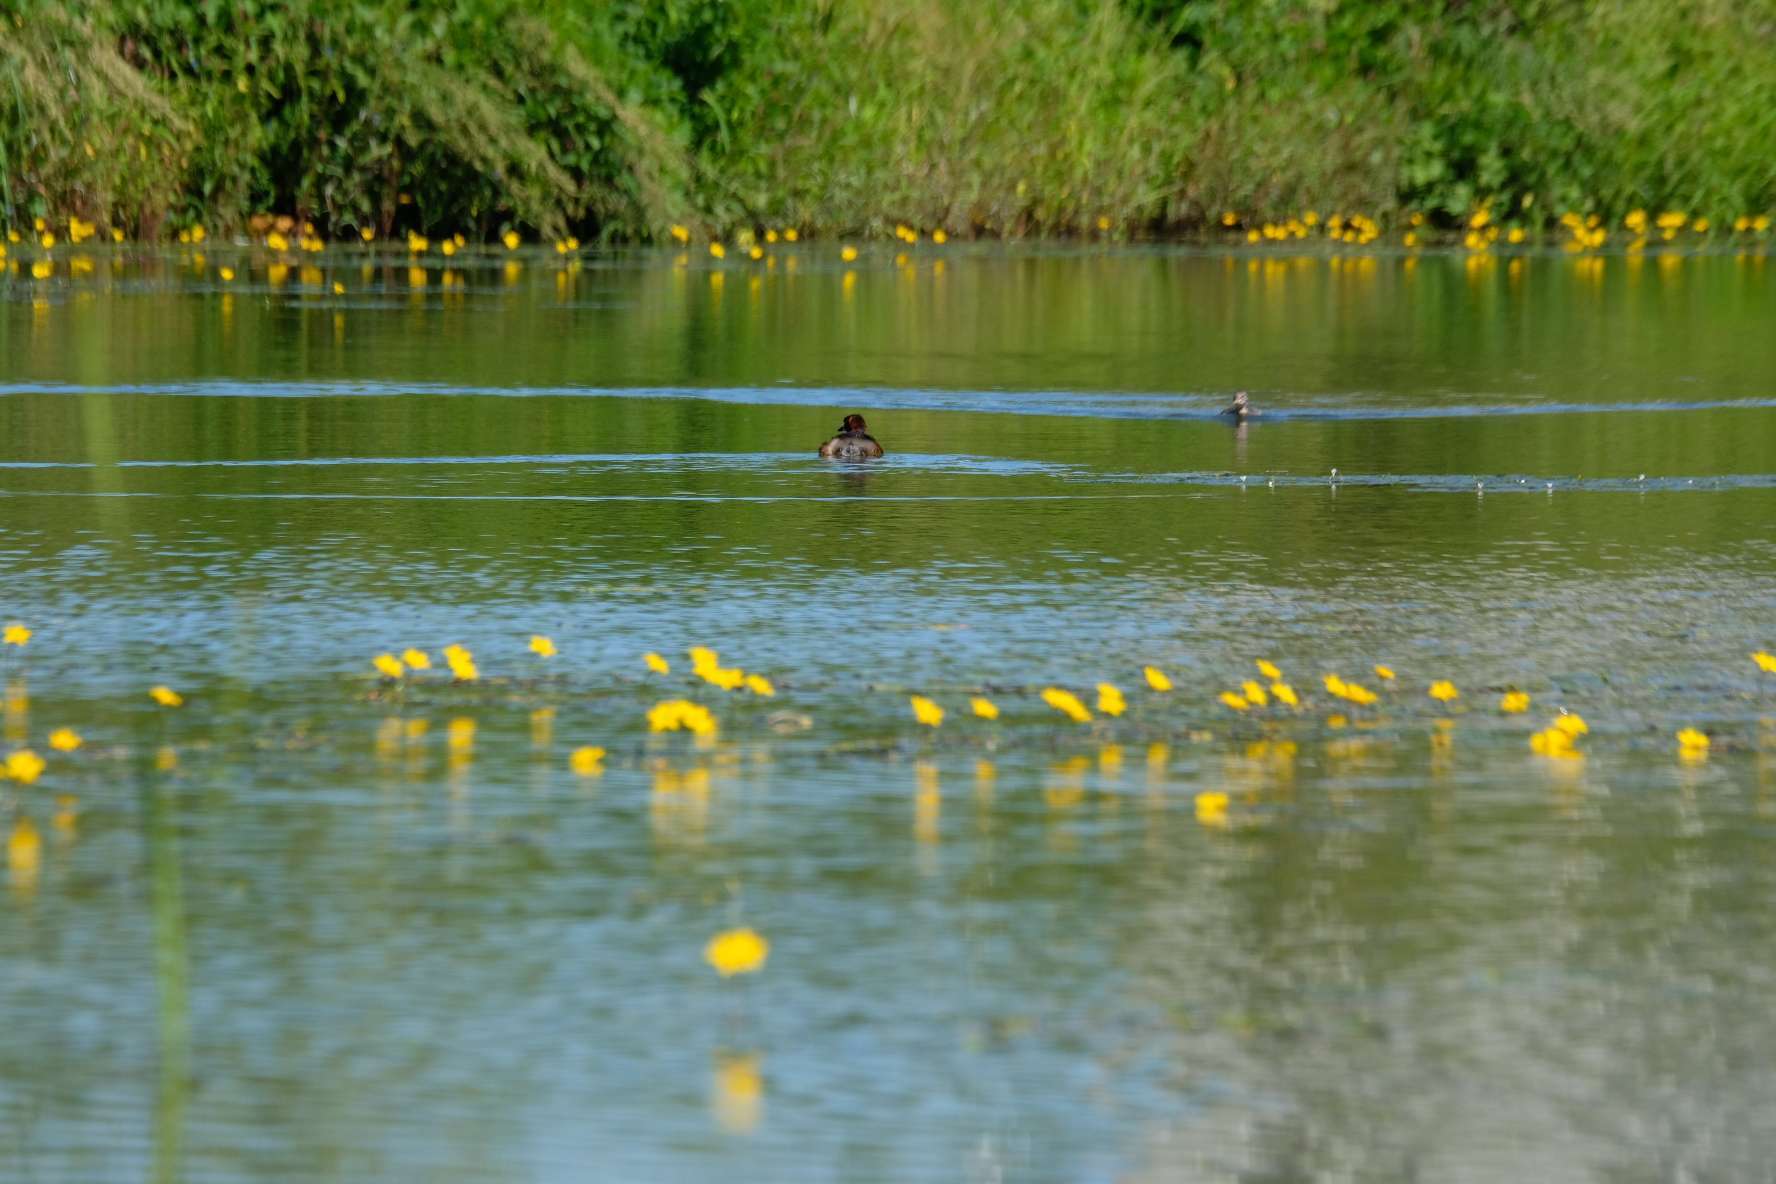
<point>617,120</point>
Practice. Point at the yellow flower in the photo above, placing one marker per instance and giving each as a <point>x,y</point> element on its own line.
<point>1211,808</point>
<point>1269,670</point>
<point>848,253</point>
<point>1253,236</point>
<point>367,233</point>
<point>939,237</point>
<point>790,235</point>
<point>717,250</point>
<point>417,242</point>
<point>757,252</point>
<point>656,663</point>
<point>64,740</point>
<point>1285,694</point>
<point>1110,700</point>
<point>166,696</point>
<point>681,234</point>
<point>227,274</point>
<point>1254,693</point>
<point>541,646</point>
<point>1514,703</point>
<point>587,761</point>
<point>388,665</point>
<point>1480,218</point>
<point>1229,218</point>
<point>724,677</point>
<point>117,234</point>
<point>1067,703</point>
<point>703,657</point>
<point>1237,702</point>
<point>1572,724</point>
<point>1443,691</point>
<point>47,239</point>
<point>24,766</point>
<point>1384,673</point>
<point>1765,662</point>
<point>15,634</point>
<point>1362,696</point>
<point>985,708</point>
<point>1671,220</point>
<point>925,711</point>
<point>736,951</point>
<point>1410,239</point>
<point>24,848</point>
<point>1156,678</point>
<point>1552,742</point>
<point>1103,222</point>
<point>1334,685</point>
<point>42,269</point>
<point>1516,235</point>
<point>416,659</point>
<point>277,242</point>
<point>461,663</point>
<point>761,686</point>
<point>1689,740</point>
<point>1636,221</point>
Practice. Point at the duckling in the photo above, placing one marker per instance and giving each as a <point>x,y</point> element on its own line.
<point>1240,408</point>
<point>852,443</point>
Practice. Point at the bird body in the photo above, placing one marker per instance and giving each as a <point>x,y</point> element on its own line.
<point>1240,408</point>
<point>853,442</point>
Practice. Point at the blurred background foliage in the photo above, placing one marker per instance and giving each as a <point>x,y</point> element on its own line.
<point>620,119</point>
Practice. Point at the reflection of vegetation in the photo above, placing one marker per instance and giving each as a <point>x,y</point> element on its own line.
<point>1133,322</point>
<point>1027,115</point>
<point>171,980</point>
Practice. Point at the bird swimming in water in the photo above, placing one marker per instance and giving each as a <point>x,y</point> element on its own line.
<point>1241,406</point>
<point>852,443</point>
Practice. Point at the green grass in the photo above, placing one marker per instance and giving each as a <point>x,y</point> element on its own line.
<point>618,120</point>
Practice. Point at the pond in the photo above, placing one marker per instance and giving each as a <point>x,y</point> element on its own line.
<point>320,924</point>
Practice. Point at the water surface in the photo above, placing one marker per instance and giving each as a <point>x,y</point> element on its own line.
<point>309,927</point>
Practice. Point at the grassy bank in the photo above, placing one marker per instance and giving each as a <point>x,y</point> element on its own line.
<point>618,121</point>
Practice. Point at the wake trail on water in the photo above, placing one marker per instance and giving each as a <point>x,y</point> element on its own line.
<point>1274,409</point>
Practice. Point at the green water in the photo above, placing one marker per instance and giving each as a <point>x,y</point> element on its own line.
<point>289,931</point>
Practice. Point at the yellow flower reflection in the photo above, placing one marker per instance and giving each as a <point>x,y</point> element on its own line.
<point>587,761</point>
